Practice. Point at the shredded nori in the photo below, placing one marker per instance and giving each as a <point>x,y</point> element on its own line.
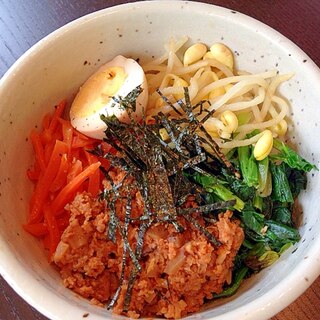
<point>157,169</point>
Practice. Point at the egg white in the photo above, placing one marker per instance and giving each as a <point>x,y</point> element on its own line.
<point>93,100</point>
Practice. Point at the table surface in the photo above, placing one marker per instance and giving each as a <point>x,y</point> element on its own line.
<point>23,23</point>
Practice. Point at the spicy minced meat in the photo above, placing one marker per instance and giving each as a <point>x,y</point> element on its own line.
<point>180,270</point>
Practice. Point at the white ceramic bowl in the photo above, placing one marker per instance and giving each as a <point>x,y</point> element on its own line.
<point>54,68</point>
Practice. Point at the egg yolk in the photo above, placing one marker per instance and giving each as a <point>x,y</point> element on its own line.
<point>97,91</point>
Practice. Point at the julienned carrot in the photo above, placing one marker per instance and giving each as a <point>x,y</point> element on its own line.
<point>62,168</point>
<point>36,229</point>
<point>57,114</point>
<point>69,191</point>
<point>38,149</point>
<point>46,120</point>
<point>34,173</point>
<point>94,184</point>
<point>62,173</point>
<point>53,229</point>
<point>63,221</point>
<point>75,169</point>
<point>50,129</point>
<point>81,141</point>
<point>67,133</point>
<point>94,180</point>
<point>43,186</point>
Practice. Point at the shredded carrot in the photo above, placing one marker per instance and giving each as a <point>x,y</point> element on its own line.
<point>62,167</point>
<point>53,228</point>
<point>46,120</point>
<point>69,191</point>
<point>75,169</point>
<point>67,133</point>
<point>38,149</point>
<point>36,229</point>
<point>33,174</point>
<point>61,176</point>
<point>43,186</point>
<point>94,179</point>
<point>57,114</point>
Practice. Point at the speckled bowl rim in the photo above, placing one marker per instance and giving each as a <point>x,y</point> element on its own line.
<point>263,307</point>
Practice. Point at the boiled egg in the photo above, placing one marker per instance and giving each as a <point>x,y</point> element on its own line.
<point>117,78</point>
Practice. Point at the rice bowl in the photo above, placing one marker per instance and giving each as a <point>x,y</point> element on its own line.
<point>50,66</point>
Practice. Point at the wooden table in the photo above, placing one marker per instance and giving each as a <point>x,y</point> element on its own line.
<point>24,22</point>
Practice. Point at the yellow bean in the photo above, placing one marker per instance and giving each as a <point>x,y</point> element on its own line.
<point>225,135</point>
<point>263,146</point>
<point>230,120</point>
<point>194,53</point>
<point>280,128</point>
<point>206,78</point>
<point>179,82</point>
<point>171,80</point>
<point>217,92</point>
<point>211,128</point>
<point>208,55</point>
<point>228,87</point>
<point>159,103</point>
<point>223,54</point>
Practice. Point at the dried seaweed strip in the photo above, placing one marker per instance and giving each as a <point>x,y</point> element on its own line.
<point>108,194</point>
<point>209,220</point>
<point>141,233</point>
<point>202,229</point>
<point>139,134</point>
<point>159,188</point>
<point>124,133</point>
<point>110,138</point>
<point>124,234</point>
<point>126,244</point>
<point>207,116</point>
<point>183,188</point>
<point>179,158</point>
<point>124,255</point>
<point>170,130</point>
<point>179,188</point>
<point>187,108</point>
<point>129,101</point>
<point>173,159</point>
<point>214,146</point>
<point>113,222</point>
<point>166,100</point>
<point>200,104</point>
<point>207,208</point>
<point>201,157</point>
<point>184,138</point>
<point>133,164</point>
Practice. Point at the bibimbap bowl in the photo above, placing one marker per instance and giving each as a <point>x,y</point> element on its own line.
<point>55,68</point>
